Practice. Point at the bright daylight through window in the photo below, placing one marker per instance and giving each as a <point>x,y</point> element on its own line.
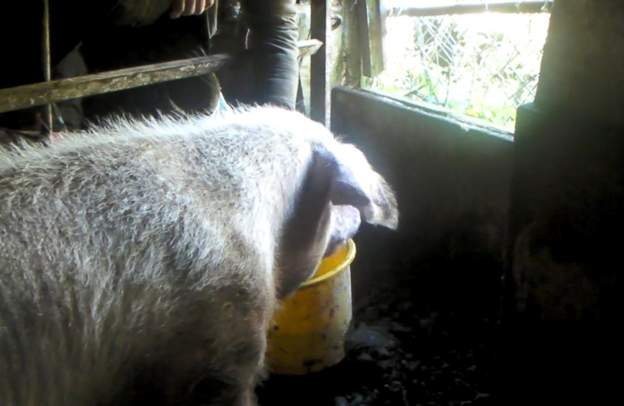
<point>477,60</point>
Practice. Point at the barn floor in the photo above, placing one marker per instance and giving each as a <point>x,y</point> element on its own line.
<point>401,352</point>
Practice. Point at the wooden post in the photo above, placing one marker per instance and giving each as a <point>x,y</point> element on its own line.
<point>319,72</point>
<point>376,32</point>
<point>353,68</point>
<point>46,61</point>
<point>528,6</point>
<point>364,37</point>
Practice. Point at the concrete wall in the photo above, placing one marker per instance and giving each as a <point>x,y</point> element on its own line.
<point>565,174</point>
<point>567,212</point>
<point>452,186</point>
<point>583,64</point>
<point>568,176</point>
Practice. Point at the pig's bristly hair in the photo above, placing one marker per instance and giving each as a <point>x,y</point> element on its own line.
<point>145,244</point>
<point>172,125</point>
<point>115,241</point>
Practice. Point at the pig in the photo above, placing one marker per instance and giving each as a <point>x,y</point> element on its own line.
<point>141,261</point>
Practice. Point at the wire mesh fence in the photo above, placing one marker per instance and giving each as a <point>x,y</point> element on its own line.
<point>481,65</point>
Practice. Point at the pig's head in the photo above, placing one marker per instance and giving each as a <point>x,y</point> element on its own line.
<point>340,190</point>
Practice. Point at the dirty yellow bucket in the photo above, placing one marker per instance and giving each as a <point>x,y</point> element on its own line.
<point>308,331</point>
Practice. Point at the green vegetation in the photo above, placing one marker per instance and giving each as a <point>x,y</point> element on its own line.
<point>481,66</point>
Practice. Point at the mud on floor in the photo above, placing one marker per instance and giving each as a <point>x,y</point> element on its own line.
<point>401,353</point>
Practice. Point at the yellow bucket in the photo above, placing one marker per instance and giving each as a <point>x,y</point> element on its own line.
<point>308,331</point>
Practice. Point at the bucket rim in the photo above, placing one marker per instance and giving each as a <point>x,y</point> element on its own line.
<point>342,266</point>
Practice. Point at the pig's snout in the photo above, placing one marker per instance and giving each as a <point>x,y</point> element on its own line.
<point>345,222</point>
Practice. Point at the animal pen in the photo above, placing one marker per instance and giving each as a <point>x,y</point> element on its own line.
<point>500,287</point>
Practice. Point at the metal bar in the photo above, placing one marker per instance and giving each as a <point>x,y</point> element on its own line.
<point>46,61</point>
<point>319,74</point>
<point>538,6</point>
<point>37,94</point>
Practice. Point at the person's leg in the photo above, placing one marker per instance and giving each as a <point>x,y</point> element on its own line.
<point>167,39</point>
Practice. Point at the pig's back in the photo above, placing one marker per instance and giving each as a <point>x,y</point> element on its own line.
<point>105,242</point>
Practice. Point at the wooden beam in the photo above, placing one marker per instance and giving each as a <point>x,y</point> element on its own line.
<point>319,72</point>
<point>538,6</point>
<point>37,94</point>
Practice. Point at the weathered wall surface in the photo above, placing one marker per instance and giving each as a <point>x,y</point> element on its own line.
<point>583,63</point>
<point>567,215</point>
<point>565,173</point>
<point>452,187</point>
<point>568,184</point>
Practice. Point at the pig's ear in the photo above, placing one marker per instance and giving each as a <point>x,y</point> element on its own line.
<point>355,183</point>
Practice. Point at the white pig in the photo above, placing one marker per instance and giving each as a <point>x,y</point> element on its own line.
<point>142,261</point>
